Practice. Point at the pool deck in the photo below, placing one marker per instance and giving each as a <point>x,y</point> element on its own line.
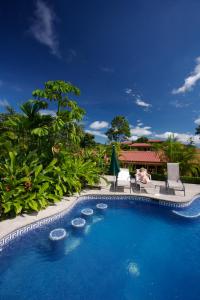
<point>158,193</point>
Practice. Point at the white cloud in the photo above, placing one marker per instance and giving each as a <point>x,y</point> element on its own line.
<point>71,55</point>
<point>185,138</point>
<point>141,131</point>
<point>128,91</point>
<point>138,131</point>
<point>190,81</point>
<point>107,70</point>
<point>48,112</point>
<point>181,137</point>
<point>99,125</point>
<point>164,135</point>
<point>197,121</point>
<point>17,88</point>
<point>4,103</point>
<point>142,103</point>
<point>133,138</point>
<point>139,123</point>
<point>96,133</point>
<point>138,101</point>
<point>179,104</point>
<point>42,27</point>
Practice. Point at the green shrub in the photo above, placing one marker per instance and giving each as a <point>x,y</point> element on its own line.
<point>188,179</point>
<point>75,173</point>
<point>26,185</point>
<point>160,177</point>
<point>185,179</point>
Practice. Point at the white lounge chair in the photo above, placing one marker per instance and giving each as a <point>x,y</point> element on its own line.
<point>173,178</point>
<point>123,179</point>
<point>143,186</point>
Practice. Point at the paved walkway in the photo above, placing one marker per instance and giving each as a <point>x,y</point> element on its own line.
<point>8,226</point>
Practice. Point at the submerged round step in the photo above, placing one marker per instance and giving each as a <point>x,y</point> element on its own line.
<point>78,222</point>
<point>101,206</point>
<point>57,234</point>
<point>87,212</point>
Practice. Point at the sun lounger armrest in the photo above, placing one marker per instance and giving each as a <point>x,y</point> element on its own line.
<point>175,181</point>
<point>180,181</point>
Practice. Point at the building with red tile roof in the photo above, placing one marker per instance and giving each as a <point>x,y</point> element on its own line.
<point>149,142</point>
<point>146,146</point>
<point>155,141</point>
<point>147,159</point>
<point>142,145</point>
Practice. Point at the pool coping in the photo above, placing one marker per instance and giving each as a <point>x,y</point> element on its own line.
<point>20,230</point>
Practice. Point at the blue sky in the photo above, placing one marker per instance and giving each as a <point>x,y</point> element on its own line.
<point>140,59</point>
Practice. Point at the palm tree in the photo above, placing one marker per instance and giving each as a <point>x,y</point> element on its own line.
<point>185,155</point>
<point>31,109</point>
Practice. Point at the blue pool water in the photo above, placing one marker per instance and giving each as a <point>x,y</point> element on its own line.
<point>132,251</point>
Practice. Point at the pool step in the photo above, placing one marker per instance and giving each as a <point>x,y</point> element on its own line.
<point>191,211</point>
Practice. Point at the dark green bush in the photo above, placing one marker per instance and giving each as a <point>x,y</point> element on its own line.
<point>185,179</point>
<point>160,177</point>
<point>188,179</point>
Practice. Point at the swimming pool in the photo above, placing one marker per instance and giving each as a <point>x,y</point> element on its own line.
<point>131,250</point>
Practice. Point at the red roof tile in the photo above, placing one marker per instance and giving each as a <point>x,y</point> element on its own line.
<point>149,141</point>
<point>155,141</point>
<point>140,156</point>
<point>126,142</point>
<point>141,145</point>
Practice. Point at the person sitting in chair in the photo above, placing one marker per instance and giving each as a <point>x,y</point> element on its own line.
<point>143,176</point>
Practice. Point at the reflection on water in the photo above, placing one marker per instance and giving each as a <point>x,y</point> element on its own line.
<point>72,244</point>
<point>97,218</point>
<point>133,269</point>
<point>87,228</point>
<point>51,250</point>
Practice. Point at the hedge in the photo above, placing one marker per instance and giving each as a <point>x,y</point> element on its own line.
<point>188,179</point>
<point>185,179</point>
<point>160,177</point>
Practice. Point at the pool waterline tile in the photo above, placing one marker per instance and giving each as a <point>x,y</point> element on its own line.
<point>25,229</point>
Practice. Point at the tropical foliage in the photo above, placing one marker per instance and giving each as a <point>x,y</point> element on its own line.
<point>186,155</point>
<point>198,130</point>
<point>119,130</point>
<point>88,141</point>
<point>41,157</point>
<point>142,139</point>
